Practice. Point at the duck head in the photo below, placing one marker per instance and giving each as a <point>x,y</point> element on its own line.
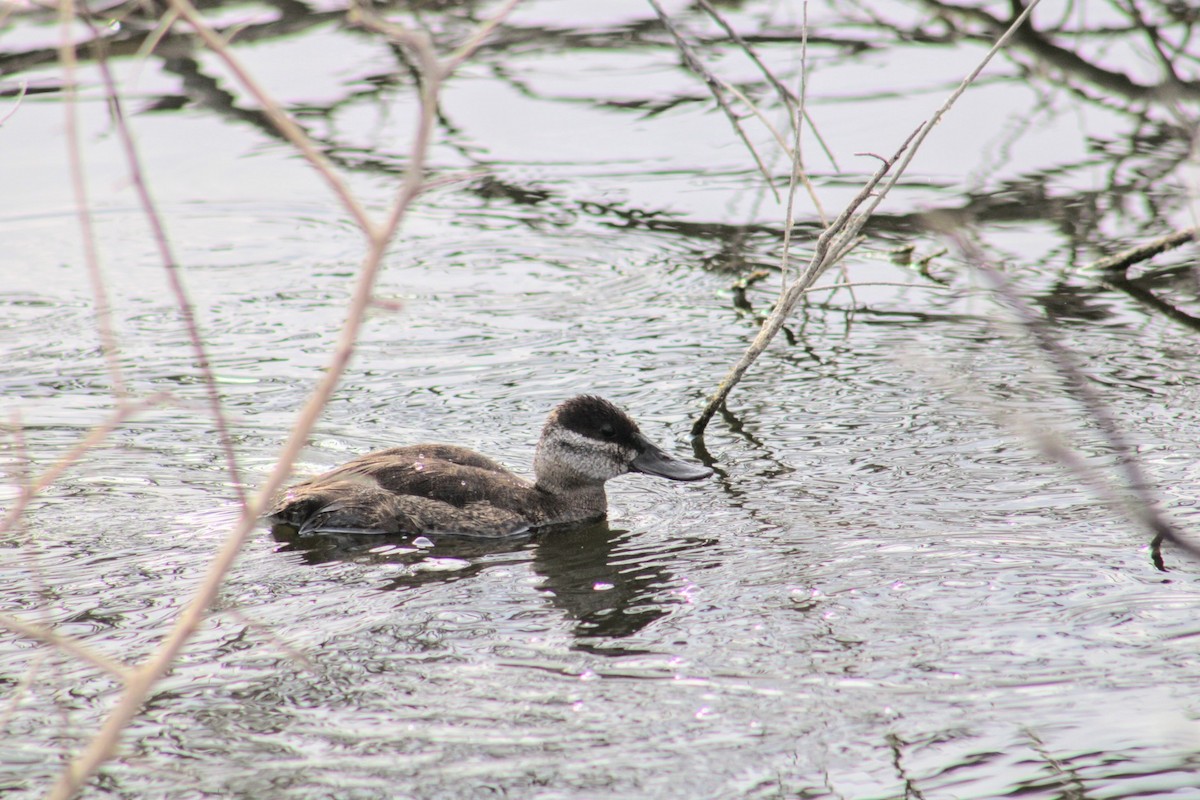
<point>588,440</point>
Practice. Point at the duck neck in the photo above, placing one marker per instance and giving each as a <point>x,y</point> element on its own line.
<point>566,490</point>
<point>572,502</point>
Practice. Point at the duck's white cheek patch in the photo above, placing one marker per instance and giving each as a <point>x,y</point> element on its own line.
<point>596,459</point>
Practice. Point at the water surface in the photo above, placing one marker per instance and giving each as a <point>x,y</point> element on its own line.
<point>885,591</point>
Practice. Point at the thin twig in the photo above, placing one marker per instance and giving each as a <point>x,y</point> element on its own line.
<point>16,102</point>
<point>695,65</point>
<point>171,265</point>
<point>94,438</point>
<point>67,644</point>
<point>833,287</point>
<point>785,95</point>
<point>740,302</point>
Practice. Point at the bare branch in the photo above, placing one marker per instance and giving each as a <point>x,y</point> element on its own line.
<point>143,679</point>
<point>821,260</point>
<point>94,438</point>
<point>173,270</point>
<point>1139,501</point>
<point>836,242</point>
<point>67,644</point>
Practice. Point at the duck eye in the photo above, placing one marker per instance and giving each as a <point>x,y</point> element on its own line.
<point>607,431</point>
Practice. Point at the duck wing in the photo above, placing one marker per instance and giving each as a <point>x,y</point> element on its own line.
<point>410,490</point>
<point>453,475</point>
<point>446,453</point>
<point>358,506</point>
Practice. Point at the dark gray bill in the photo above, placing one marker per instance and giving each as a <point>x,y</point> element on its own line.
<point>653,461</point>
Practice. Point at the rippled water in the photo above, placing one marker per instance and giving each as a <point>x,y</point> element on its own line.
<point>884,592</point>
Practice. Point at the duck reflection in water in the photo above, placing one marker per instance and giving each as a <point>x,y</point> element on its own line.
<point>589,573</point>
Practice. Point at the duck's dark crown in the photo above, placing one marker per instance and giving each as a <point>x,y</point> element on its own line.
<point>595,418</point>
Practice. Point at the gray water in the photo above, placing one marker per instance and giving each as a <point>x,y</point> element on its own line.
<point>886,591</point>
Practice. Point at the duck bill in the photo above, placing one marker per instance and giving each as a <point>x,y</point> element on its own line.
<point>654,461</point>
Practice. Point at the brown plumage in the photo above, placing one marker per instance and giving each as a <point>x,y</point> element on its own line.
<point>439,488</point>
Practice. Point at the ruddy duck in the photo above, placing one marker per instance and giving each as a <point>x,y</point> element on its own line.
<point>441,488</point>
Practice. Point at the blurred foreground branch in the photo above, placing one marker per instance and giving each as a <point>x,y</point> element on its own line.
<point>141,679</point>
<point>67,644</point>
<point>1132,494</point>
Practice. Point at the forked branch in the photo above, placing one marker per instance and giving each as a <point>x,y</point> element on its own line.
<point>838,239</point>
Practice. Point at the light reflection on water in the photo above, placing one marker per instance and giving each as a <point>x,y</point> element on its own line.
<point>882,593</point>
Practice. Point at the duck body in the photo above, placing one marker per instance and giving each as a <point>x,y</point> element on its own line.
<point>440,488</point>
